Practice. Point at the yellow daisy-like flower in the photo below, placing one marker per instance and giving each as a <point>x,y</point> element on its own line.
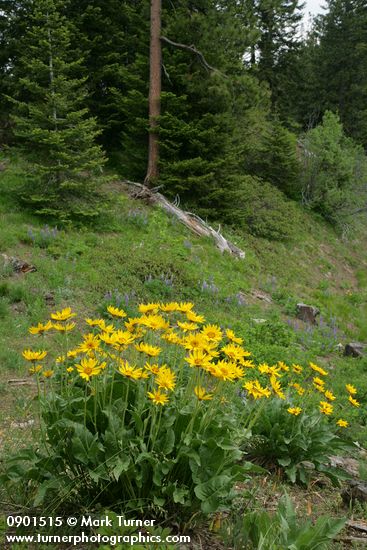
<point>158,398</point>
<point>298,388</point>
<point>235,353</point>
<point>94,322</point>
<point>47,373</point>
<point>198,358</point>
<point>283,366</point>
<point>108,329</point>
<point>172,337</point>
<point>88,367</point>
<point>319,388</point>
<point>351,389</point>
<point>90,343</point>
<point>129,371</point>
<point>213,333</point>
<point>72,353</point>
<point>116,312</point>
<point>255,389</point>
<point>294,410</point>
<point>186,326</point>
<point>149,308</point>
<point>166,379</point>
<point>342,423</point>
<point>131,324</point>
<point>63,328</point>
<point>60,359</point>
<point>297,369</point>
<point>248,363</point>
<point>184,307</point>
<point>155,322</point>
<point>277,388</point>
<point>152,351</point>
<point>223,370</point>
<point>35,369</point>
<point>353,401</point>
<point>194,317</point>
<point>194,341</point>
<point>170,307</point>
<point>318,369</point>
<point>201,394</point>
<point>154,369</point>
<point>264,368</point>
<point>40,328</point>
<point>329,395</point>
<point>30,355</point>
<point>70,369</point>
<point>318,382</point>
<point>326,408</point>
<point>63,315</point>
<point>233,338</point>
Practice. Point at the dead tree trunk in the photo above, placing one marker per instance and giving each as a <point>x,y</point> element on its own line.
<point>155,86</point>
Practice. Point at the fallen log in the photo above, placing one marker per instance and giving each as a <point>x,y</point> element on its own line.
<point>190,220</point>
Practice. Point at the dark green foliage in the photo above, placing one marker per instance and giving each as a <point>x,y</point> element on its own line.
<point>335,171</point>
<point>51,122</point>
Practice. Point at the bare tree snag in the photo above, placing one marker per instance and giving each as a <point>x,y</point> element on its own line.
<point>192,221</point>
<point>155,86</point>
<point>193,50</point>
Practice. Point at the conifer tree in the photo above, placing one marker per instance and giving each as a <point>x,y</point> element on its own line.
<point>52,124</point>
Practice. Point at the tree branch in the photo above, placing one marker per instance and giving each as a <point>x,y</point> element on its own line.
<point>193,50</point>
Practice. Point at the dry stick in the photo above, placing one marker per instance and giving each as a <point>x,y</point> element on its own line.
<point>192,221</point>
<point>193,50</point>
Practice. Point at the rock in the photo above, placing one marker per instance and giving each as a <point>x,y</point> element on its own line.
<point>18,265</point>
<point>259,321</point>
<point>354,491</point>
<point>22,425</point>
<point>339,347</point>
<point>355,349</point>
<point>307,313</point>
<point>49,299</point>
<point>349,465</point>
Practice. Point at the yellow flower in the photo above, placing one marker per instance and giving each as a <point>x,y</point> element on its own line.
<point>157,397</point>
<point>155,322</point>
<point>152,351</point>
<point>35,369</point>
<point>283,366</point>
<point>63,315</point>
<point>130,325</point>
<point>166,379</point>
<point>184,307</point>
<point>129,371</point>
<point>116,312</point>
<point>318,369</point>
<point>154,369</point>
<point>231,336</point>
<point>60,359</point>
<point>63,328</point>
<point>94,322</point>
<point>213,333</point>
<point>108,329</point>
<point>234,352</point>
<point>248,363</point>
<point>223,370</point>
<point>30,355</point>
<point>329,395</point>
<point>298,388</point>
<point>170,307</point>
<point>88,367</point>
<point>297,369</point>
<point>353,401</point>
<point>90,343</point>
<point>318,382</point>
<point>326,408</point>
<point>351,389</point>
<point>264,368</point>
<point>148,308</point>
<point>194,341</point>
<point>201,394</point>
<point>171,337</point>
<point>185,326</point>
<point>69,369</point>
<point>120,339</point>
<point>48,373</point>
<point>72,353</point>
<point>277,388</point>
<point>319,388</point>
<point>294,410</point>
<point>40,328</point>
<point>198,358</point>
<point>256,390</point>
<point>194,317</point>
<point>342,423</point>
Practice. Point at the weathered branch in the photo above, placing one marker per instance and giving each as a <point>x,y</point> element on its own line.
<point>192,221</point>
<point>193,50</point>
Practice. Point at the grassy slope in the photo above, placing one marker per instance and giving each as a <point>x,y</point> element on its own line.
<point>138,253</point>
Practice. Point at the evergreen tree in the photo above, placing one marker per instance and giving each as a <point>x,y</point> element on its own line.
<point>52,124</point>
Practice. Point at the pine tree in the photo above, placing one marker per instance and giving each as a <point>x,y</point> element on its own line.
<point>52,125</point>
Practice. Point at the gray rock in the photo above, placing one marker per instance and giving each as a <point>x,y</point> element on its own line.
<point>355,349</point>
<point>346,463</point>
<point>307,313</point>
<point>354,491</point>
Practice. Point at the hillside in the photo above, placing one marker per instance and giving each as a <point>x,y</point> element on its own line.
<point>137,253</point>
